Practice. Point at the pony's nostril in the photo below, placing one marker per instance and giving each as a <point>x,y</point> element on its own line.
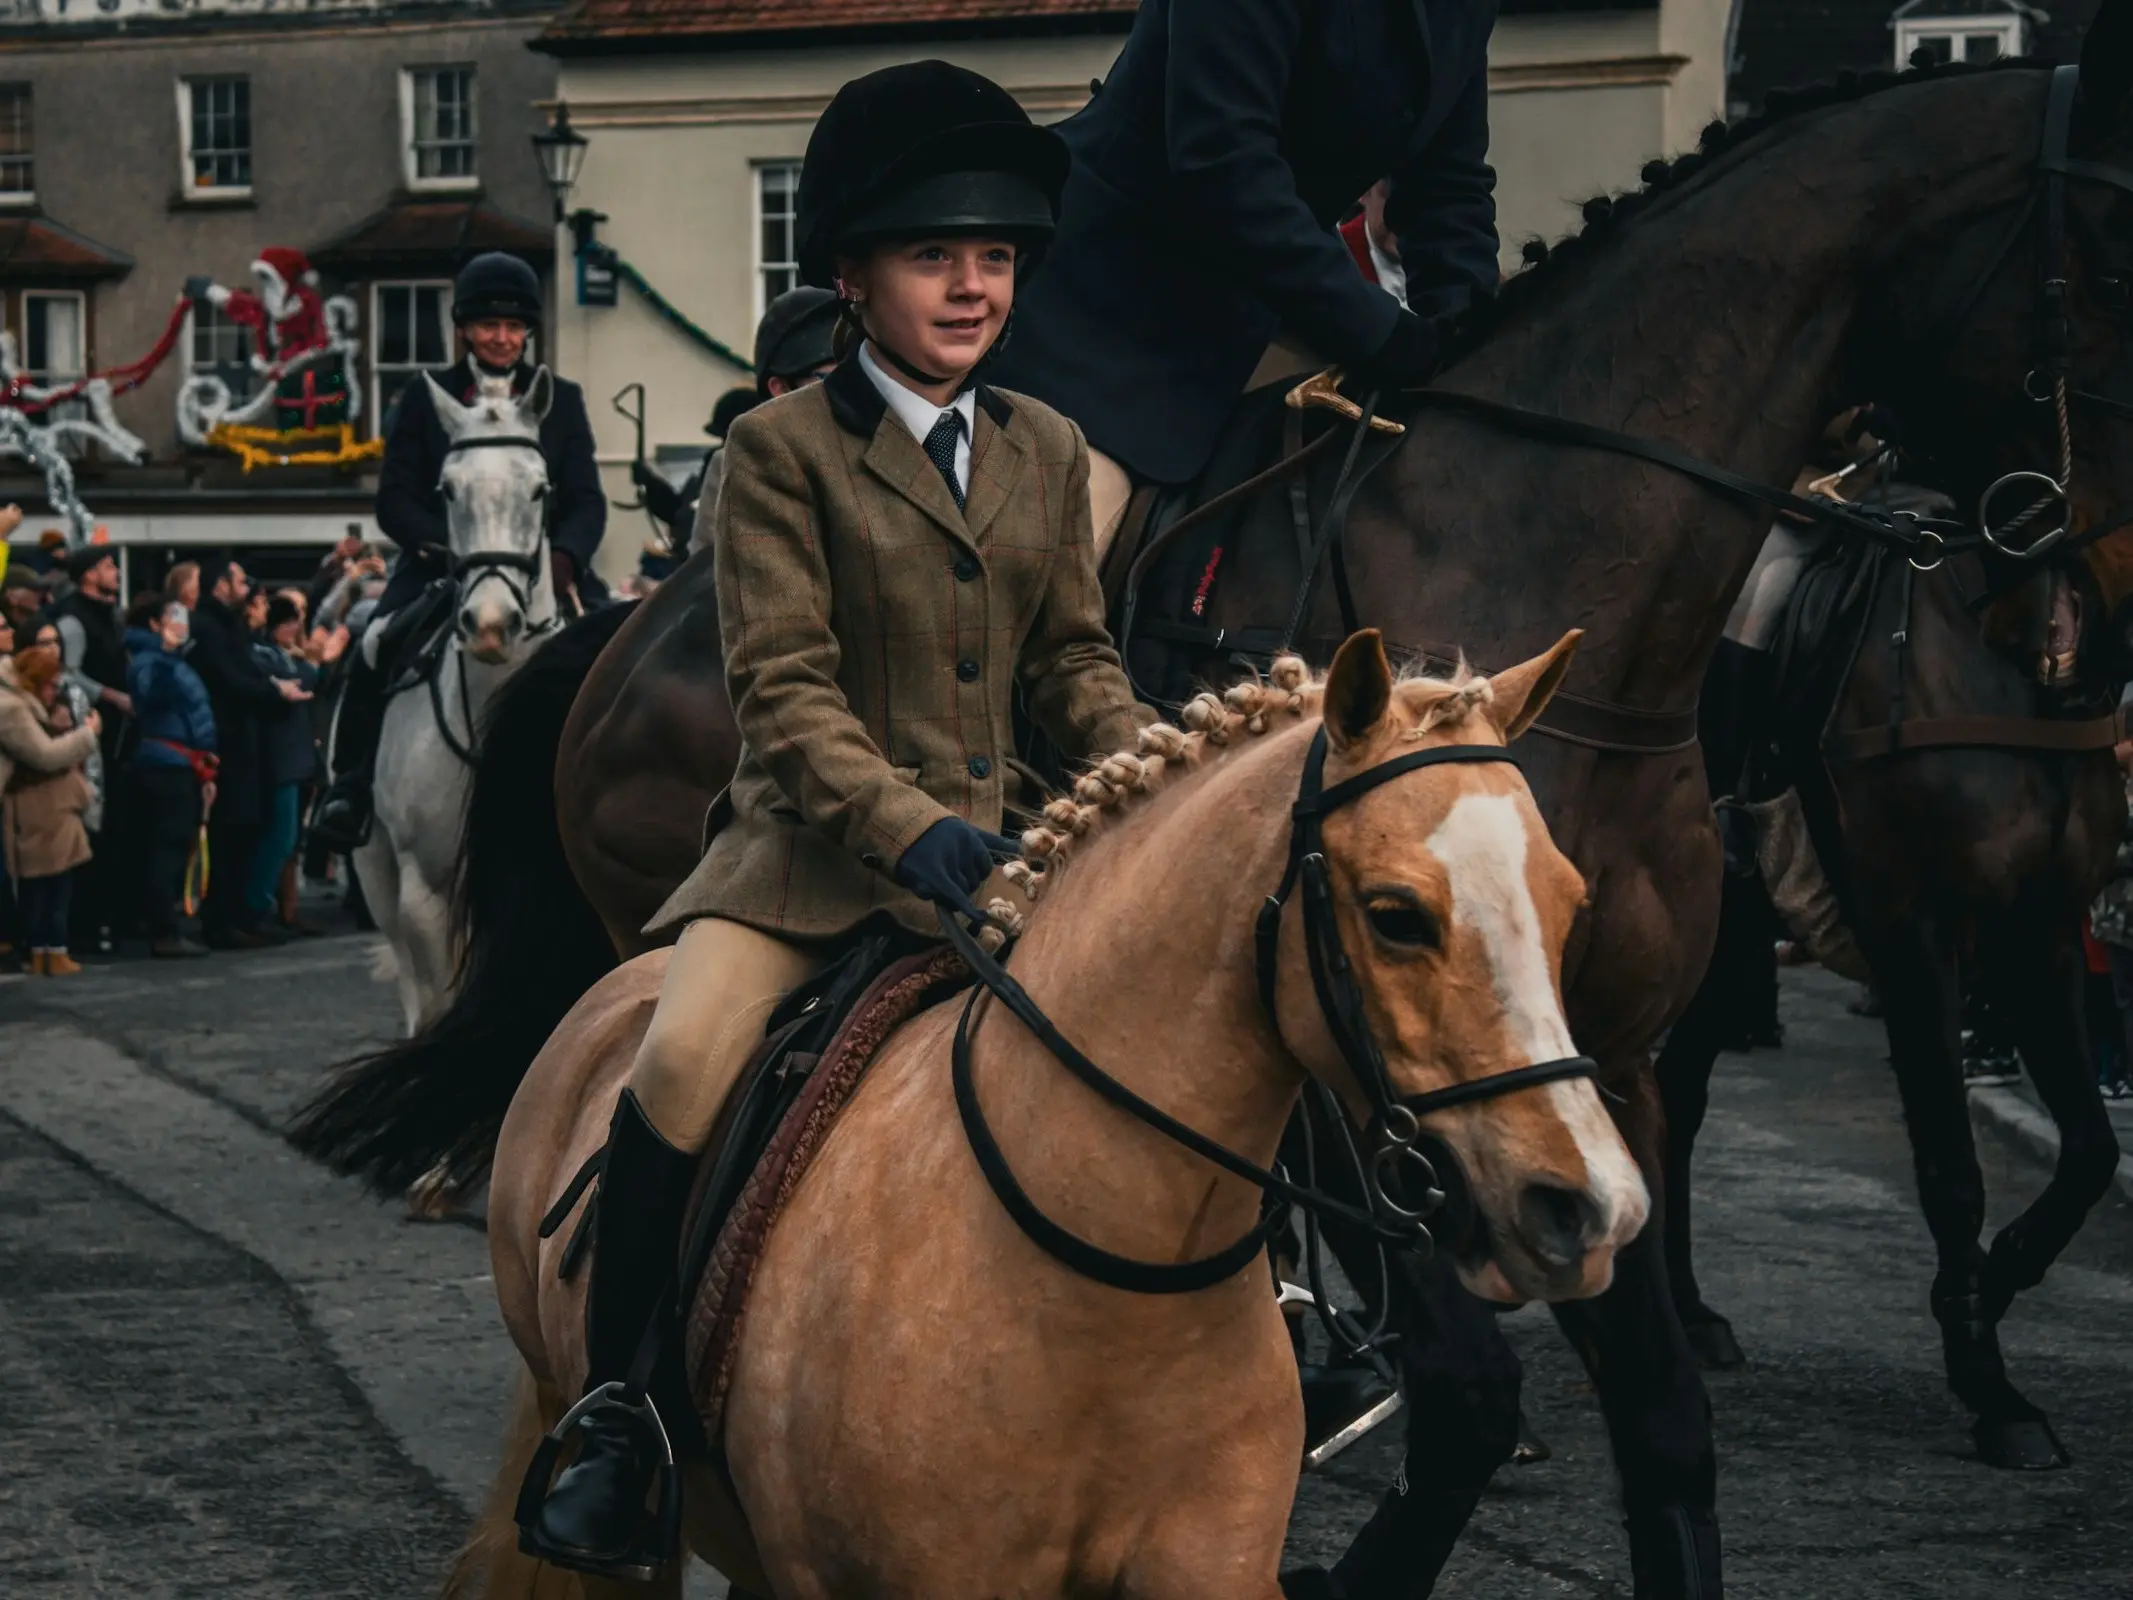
<point>1557,1224</point>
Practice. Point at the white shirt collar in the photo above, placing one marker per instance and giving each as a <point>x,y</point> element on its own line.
<point>1392,276</point>
<point>918,414</point>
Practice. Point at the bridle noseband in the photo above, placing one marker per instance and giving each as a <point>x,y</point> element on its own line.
<point>1395,1122</point>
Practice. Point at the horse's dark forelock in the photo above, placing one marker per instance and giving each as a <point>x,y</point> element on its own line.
<point>1549,265</point>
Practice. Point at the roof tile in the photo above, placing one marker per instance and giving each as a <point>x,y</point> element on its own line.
<point>738,19</point>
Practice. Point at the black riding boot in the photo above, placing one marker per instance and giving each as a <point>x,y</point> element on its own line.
<point>1673,1553</point>
<point>593,1517</point>
<point>341,820</point>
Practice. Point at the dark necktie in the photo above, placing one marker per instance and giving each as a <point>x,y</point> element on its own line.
<point>940,449</point>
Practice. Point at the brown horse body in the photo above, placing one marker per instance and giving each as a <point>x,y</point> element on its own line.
<point>923,1402</point>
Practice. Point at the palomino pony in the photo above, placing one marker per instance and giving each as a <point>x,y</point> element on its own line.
<point>495,483</point>
<point>924,1402</point>
<point>1825,249</point>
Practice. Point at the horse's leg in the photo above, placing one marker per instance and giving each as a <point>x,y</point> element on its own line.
<point>425,939</point>
<point>1461,1379</point>
<point>377,867</point>
<point>1684,1075</point>
<point>1651,1390</point>
<point>1922,993</point>
<point>2046,974</point>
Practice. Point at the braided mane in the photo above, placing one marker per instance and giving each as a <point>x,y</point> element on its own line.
<point>1548,265</point>
<point>1114,790</point>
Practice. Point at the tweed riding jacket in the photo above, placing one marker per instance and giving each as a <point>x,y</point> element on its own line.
<point>873,635</point>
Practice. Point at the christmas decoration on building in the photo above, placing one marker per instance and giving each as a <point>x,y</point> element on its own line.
<point>307,401</point>
<point>44,423</point>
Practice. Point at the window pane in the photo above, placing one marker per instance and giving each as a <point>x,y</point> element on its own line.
<point>1936,48</point>
<point>395,335</point>
<point>221,133</point>
<point>443,132</point>
<point>53,324</point>
<point>1981,47</point>
<point>777,191</point>
<point>429,325</point>
<point>15,166</point>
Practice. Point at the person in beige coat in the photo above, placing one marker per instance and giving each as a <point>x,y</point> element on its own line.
<point>896,549</point>
<point>43,796</point>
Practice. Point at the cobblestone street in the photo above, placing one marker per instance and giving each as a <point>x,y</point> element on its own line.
<point>233,1375</point>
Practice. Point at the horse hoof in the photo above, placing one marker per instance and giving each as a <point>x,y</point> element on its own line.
<point>2020,1444</point>
<point>1716,1348</point>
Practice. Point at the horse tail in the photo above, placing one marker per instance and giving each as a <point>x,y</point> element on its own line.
<point>530,944</point>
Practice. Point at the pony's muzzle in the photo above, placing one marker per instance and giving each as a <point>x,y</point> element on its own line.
<point>1558,1225</point>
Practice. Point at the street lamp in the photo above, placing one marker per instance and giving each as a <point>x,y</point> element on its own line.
<point>560,148</point>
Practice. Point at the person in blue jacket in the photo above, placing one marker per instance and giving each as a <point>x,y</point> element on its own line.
<point>171,764</point>
<point>1198,225</point>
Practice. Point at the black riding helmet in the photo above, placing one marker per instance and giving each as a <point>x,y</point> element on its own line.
<point>925,150</point>
<point>496,285</point>
<point>797,334</point>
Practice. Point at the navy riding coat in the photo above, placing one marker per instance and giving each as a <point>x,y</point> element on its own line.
<point>1209,174</point>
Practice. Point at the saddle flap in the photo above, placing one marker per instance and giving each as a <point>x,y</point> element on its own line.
<point>820,1043</point>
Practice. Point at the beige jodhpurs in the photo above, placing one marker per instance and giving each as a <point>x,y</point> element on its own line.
<point>724,980</point>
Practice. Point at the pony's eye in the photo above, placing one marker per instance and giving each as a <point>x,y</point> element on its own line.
<point>1398,922</point>
<point>448,491</point>
<point>540,491</point>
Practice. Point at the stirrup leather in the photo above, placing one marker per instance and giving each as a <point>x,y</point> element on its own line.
<point>658,1537</point>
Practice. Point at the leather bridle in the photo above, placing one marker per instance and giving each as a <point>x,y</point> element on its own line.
<point>470,571</point>
<point>1396,1207</point>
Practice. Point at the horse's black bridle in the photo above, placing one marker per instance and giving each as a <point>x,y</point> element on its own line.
<point>472,568</point>
<point>500,563</point>
<point>1397,1206</point>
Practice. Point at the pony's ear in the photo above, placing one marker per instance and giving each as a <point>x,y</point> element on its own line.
<point>539,395</point>
<point>1521,693</point>
<point>450,412</point>
<point>2107,69</point>
<point>1358,689</point>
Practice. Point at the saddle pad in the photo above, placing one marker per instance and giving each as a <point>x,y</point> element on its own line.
<point>720,1303</point>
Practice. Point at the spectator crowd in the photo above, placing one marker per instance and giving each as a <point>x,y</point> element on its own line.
<point>157,756</point>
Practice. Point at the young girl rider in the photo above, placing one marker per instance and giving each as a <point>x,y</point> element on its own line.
<point>896,548</point>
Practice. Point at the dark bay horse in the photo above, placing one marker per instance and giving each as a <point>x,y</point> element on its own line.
<point>1964,852</point>
<point>1729,309</point>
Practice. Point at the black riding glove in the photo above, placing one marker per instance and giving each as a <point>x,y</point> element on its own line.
<point>949,861</point>
<point>1406,360</point>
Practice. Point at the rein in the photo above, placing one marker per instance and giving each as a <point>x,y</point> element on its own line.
<point>1395,1123</point>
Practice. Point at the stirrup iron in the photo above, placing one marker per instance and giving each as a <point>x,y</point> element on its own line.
<point>658,1537</point>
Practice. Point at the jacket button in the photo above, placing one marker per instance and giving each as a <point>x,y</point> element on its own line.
<point>980,767</point>
<point>870,861</point>
<point>966,569</point>
<point>967,671</point>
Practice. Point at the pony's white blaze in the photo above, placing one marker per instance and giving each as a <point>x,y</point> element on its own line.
<point>1482,844</point>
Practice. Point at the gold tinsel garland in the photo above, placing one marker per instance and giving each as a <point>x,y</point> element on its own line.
<point>336,446</point>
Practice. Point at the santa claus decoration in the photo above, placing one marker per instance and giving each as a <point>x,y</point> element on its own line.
<point>295,344</point>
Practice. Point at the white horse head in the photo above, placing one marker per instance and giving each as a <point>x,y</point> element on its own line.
<point>495,486</point>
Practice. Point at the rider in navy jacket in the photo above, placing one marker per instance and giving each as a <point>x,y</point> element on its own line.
<point>1209,173</point>
<point>496,297</point>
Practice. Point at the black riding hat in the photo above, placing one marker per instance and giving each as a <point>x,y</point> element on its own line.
<point>797,334</point>
<point>496,285</point>
<point>920,150</point>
